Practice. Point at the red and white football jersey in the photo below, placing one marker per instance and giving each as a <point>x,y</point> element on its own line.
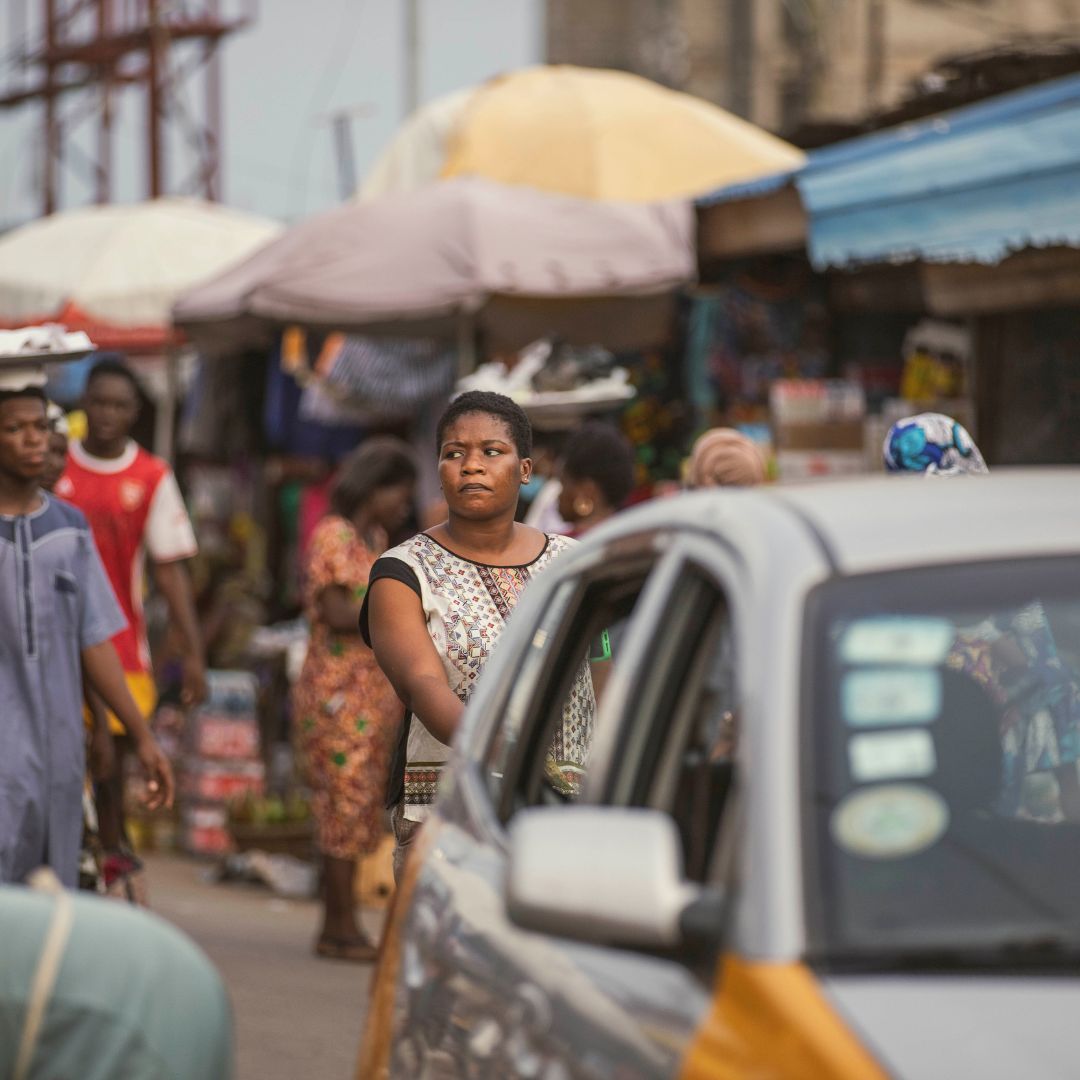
<point>134,506</point>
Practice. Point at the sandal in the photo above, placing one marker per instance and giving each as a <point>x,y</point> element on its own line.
<point>357,950</point>
<point>123,877</point>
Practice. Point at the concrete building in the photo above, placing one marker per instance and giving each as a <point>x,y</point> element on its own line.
<point>788,64</point>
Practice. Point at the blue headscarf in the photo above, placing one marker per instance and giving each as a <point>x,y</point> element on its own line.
<point>932,444</point>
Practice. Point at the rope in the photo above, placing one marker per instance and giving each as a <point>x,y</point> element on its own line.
<point>48,967</point>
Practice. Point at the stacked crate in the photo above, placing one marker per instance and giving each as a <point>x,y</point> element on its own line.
<point>818,428</point>
<point>221,761</point>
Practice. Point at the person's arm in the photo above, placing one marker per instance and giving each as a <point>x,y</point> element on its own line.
<point>339,609</point>
<point>102,751</point>
<point>407,656</point>
<point>173,581</point>
<point>104,675</point>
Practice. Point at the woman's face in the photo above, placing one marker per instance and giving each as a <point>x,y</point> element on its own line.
<point>479,468</point>
<point>391,505</point>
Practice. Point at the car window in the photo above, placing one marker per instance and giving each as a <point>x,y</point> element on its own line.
<point>535,753</point>
<point>942,743</point>
<point>678,740</point>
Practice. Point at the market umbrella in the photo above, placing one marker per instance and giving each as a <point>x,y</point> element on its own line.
<point>115,271</point>
<point>517,263</point>
<point>581,131</point>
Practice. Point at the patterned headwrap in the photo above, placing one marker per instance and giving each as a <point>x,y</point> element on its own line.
<point>724,457</point>
<point>932,444</point>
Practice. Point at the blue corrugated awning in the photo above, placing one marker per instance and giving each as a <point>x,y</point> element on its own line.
<point>970,185</point>
<point>749,189</point>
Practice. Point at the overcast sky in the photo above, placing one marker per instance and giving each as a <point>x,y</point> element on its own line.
<point>302,60</point>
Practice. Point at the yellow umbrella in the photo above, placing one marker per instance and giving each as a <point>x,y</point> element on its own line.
<point>606,135</point>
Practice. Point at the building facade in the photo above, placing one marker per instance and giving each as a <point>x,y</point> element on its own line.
<point>786,64</point>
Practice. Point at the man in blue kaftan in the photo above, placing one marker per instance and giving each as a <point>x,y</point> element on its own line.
<point>57,616</point>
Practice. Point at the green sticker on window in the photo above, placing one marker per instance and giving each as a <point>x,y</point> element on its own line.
<point>601,648</point>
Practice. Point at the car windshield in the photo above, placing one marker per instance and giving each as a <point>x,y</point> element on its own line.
<point>941,735</point>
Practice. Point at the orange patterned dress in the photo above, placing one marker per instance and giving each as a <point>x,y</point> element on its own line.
<point>346,715</point>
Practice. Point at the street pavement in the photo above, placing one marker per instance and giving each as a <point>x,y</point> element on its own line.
<point>296,1016</point>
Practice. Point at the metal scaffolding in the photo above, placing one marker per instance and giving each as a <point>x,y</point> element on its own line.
<point>75,57</point>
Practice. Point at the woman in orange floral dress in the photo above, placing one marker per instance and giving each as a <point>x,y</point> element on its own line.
<point>346,715</point>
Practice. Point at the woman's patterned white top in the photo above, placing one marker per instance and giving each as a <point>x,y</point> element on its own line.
<point>466,605</point>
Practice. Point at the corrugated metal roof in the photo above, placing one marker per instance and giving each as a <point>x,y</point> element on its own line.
<point>749,189</point>
<point>966,186</point>
<point>971,185</point>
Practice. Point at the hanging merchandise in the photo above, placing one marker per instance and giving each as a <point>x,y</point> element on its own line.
<point>391,377</point>
<point>935,356</point>
<point>758,323</point>
<point>286,428</point>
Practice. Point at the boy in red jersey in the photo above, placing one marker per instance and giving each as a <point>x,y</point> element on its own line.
<point>133,504</point>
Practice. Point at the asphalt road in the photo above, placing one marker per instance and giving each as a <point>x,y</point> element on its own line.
<point>296,1016</point>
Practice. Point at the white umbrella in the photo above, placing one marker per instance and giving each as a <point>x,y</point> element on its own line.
<point>115,271</point>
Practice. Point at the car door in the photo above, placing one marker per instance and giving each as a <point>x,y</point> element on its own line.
<point>479,996</point>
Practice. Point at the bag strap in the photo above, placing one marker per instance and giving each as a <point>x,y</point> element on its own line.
<point>48,967</point>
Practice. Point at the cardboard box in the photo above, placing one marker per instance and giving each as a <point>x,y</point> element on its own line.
<point>204,830</point>
<point>834,435</point>
<point>224,735</point>
<point>219,781</point>
<point>794,465</point>
<point>231,691</point>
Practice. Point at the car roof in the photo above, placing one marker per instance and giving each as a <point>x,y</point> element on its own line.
<point>879,523</point>
<point>885,522</point>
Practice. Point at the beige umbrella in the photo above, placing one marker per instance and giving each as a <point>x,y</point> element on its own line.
<point>580,131</point>
<point>515,262</point>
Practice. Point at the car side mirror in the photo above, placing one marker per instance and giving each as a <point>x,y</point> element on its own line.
<point>600,874</point>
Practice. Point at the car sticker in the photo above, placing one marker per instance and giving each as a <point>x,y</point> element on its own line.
<point>888,755</point>
<point>897,639</point>
<point>878,697</point>
<point>889,821</point>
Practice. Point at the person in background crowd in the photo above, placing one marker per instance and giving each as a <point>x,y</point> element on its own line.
<point>437,604</point>
<point>56,452</point>
<point>57,619</point>
<point>539,505</point>
<point>724,457</point>
<point>134,507</point>
<point>1013,655</point>
<point>597,476</point>
<point>346,714</point>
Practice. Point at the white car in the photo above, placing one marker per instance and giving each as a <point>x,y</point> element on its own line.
<point>828,827</point>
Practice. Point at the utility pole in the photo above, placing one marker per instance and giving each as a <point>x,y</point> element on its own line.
<point>154,99</point>
<point>875,52</point>
<point>341,120</point>
<point>741,58</point>
<point>103,191</point>
<point>411,58</point>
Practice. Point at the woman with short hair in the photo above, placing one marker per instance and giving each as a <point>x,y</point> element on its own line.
<point>597,476</point>
<point>437,604</point>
